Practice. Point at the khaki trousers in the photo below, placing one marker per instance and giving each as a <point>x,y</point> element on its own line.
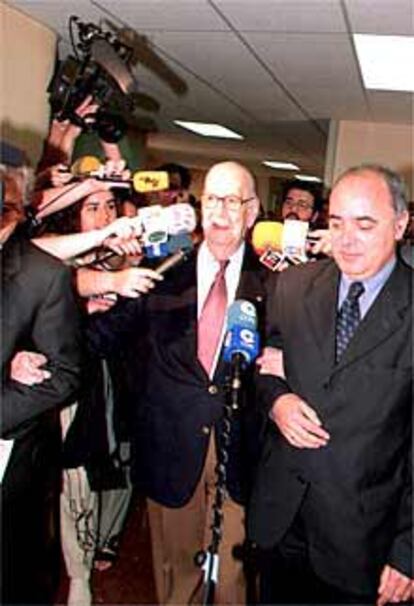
<point>178,534</point>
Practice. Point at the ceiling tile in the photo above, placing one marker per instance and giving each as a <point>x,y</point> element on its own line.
<point>319,70</point>
<point>56,14</point>
<point>381,16</point>
<point>166,15</point>
<point>284,15</point>
<point>221,60</point>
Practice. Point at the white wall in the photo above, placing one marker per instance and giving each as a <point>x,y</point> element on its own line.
<point>353,143</point>
<point>27,51</point>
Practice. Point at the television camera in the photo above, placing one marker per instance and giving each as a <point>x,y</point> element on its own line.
<point>99,67</point>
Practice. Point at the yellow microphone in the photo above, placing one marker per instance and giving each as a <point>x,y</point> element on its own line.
<point>142,181</point>
<point>267,235</point>
<point>85,166</point>
<point>150,180</point>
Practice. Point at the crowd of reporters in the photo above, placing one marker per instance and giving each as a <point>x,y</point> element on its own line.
<point>108,369</point>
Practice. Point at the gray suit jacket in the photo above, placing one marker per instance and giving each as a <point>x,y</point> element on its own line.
<point>354,494</point>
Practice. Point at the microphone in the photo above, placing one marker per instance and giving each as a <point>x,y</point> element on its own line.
<point>181,218</point>
<point>175,251</point>
<point>160,223</point>
<point>278,244</point>
<point>179,248</point>
<point>142,181</point>
<point>267,234</point>
<point>241,344</point>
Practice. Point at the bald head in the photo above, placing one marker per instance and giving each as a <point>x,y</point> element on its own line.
<point>229,207</point>
<point>233,171</point>
<point>365,221</point>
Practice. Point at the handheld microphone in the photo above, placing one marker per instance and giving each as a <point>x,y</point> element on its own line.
<point>142,181</point>
<point>280,244</point>
<point>161,224</point>
<point>180,247</point>
<point>181,218</point>
<point>267,234</point>
<point>241,345</point>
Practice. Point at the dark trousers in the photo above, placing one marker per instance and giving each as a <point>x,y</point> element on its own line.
<point>29,509</point>
<point>287,577</point>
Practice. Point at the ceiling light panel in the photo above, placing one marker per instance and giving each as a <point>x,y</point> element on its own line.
<point>280,165</point>
<point>386,62</point>
<point>209,130</point>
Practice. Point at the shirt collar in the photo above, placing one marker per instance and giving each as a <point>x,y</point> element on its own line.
<point>372,285</point>
<point>208,258</point>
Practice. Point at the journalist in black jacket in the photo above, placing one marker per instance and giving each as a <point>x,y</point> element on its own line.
<point>38,314</point>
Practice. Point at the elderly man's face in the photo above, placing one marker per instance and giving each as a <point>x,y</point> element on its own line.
<point>363,224</point>
<point>225,224</point>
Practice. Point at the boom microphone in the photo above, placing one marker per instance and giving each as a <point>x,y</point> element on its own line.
<point>241,345</point>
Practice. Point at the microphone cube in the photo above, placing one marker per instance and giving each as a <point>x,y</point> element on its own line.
<point>241,340</point>
<point>242,313</point>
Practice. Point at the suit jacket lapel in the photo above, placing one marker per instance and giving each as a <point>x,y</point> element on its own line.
<point>320,303</point>
<point>382,319</point>
<point>250,284</point>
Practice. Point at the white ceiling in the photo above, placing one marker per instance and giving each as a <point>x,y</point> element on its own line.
<point>275,71</point>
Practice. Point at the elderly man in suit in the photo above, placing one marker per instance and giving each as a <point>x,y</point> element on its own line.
<point>38,313</point>
<point>331,502</point>
<point>180,407</point>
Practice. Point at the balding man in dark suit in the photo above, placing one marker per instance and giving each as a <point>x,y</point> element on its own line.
<point>332,503</point>
<point>180,431</point>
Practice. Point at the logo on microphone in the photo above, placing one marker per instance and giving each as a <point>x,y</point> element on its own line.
<point>242,337</point>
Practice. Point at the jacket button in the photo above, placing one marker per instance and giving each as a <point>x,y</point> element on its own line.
<point>206,430</point>
<point>213,390</point>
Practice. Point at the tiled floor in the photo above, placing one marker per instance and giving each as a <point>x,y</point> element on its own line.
<point>130,580</point>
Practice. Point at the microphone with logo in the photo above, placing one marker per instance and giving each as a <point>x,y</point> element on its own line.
<point>281,244</point>
<point>159,224</point>
<point>241,345</point>
<point>142,181</point>
<point>166,233</point>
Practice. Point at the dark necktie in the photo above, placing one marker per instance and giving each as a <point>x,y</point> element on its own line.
<point>211,320</point>
<point>348,318</point>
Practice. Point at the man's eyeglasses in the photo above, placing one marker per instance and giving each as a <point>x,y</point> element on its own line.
<point>232,202</point>
<point>298,204</point>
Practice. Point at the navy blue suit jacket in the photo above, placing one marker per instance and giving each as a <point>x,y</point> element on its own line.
<point>177,405</point>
